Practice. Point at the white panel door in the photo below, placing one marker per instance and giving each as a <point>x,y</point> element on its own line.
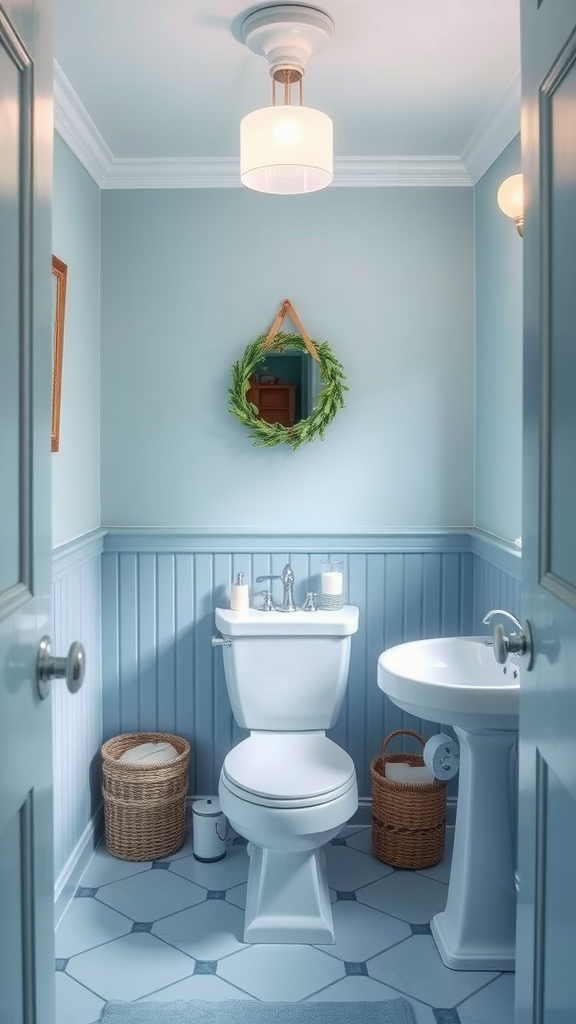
<point>26,881</point>
<point>546,933</point>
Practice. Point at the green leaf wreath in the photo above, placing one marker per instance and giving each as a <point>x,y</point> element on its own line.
<point>328,401</point>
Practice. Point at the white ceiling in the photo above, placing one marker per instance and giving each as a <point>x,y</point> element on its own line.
<point>153,92</point>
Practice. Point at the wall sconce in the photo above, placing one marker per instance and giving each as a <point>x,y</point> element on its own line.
<point>511,199</point>
<point>286,148</point>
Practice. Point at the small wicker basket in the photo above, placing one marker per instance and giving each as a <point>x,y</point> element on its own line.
<point>144,804</point>
<point>408,820</point>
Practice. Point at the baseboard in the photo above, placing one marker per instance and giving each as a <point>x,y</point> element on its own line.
<point>76,864</point>
<point>363,816</point>
<point>78,861</point>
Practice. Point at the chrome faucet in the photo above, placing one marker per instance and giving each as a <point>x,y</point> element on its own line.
<point>505,615</point>
<point>517,642</point>
<point>287,577</point>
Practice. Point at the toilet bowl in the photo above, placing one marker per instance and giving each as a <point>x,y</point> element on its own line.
<point>287,788</point>
<point>288,795</point>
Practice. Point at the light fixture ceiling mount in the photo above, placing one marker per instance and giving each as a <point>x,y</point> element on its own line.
<point>286,148</point>
<point>287,35</point>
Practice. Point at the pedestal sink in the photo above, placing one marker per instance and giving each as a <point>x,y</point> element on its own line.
<point>456,681</point>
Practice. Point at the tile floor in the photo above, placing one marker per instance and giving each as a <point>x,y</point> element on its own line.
<point>172,929</point>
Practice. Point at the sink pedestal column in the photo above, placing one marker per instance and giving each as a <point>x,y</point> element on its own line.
<point>476,931</point>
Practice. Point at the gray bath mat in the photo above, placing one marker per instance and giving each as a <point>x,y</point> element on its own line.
<point>248,1011</point>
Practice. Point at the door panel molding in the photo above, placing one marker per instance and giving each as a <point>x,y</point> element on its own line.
<point>540,887</point>
<point>562,588</point>
<point>12,46</point>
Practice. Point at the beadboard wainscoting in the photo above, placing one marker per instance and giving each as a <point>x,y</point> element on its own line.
<point>159,591</point>
<point>142,602</point>
<point>76,720</point>
<point>497,569</point>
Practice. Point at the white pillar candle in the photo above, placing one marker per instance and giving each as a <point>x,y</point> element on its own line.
<point>332,583</point>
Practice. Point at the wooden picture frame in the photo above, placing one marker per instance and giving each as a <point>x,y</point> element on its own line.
<point>59,277</point>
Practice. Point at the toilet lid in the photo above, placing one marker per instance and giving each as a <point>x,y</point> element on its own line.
<point>289,766</point>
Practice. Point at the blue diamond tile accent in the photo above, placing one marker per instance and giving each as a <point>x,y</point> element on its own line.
<point>216,894</point>
<point>84,892</point>
<point>339,841</point>
<point>142,926</point>
<point>60,964</point>
<point>421,929</point>
<point>446,1016</point>
<point>345,895</point>
<point>205,967</point>
<point>355,969</point>
<point>161,865</point>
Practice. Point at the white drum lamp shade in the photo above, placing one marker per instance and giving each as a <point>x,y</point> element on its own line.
<point>286,150</point>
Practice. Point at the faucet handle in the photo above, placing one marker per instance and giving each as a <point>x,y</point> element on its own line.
<point>267,605</point>
<point>310,602</point>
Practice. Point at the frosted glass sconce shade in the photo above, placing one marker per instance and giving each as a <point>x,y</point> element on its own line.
<point>511,199</point>
<point>286,150</point>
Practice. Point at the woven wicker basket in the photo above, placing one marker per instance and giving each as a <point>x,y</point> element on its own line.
<point>408,821</point>
<point>144,804</point>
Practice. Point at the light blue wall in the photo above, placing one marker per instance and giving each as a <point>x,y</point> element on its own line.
<point>189,277</point>
<point>498,256</point>
<point>76,240</point>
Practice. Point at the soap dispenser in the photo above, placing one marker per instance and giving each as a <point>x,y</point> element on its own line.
<point>239,596</point>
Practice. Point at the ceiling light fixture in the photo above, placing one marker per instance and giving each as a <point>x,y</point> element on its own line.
<point>511,199</point>
<point>287,148</point>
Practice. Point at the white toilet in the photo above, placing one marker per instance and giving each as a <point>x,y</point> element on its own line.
<point>287,788</point>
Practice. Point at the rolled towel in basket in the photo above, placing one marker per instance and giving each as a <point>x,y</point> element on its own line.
<point>415,775</point>
<point>149,753</point>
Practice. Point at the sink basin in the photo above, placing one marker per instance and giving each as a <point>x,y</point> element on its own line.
<point>452,680</point>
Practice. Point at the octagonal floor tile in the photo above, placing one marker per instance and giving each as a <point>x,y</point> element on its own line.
<point>350,869</point>
<point>88,923</point>
<point>361,931</point>
<point>281,972</point>
<point>223,874</point>
<point>151,895</point>
<point>406,895</point>
<point>414,968</point>
<point>492,1005</point>
<point>237,896</point>
<point>199,986</point>
<point>130,967</point>
<point>207,932</point>
<point>368,990</point>
<point>74,1003</point>
<point>361,841</point>
<point>104,868</point>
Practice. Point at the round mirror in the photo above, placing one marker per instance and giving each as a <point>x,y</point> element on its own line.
<point>282,394</point>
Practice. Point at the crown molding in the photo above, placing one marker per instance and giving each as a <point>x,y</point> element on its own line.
<point>389,171</point>
<point>353,172</point>
<point>77,129</point>
<point>500,125</point>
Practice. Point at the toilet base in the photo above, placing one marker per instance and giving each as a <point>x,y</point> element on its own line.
<point>288,899</point>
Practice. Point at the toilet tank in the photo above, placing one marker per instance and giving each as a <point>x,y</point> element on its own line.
<point>287,671</point>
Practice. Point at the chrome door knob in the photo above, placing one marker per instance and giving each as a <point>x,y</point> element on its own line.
<point>518,642</point>
<point>72,668</point>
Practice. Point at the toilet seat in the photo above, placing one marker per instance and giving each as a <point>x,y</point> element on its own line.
<point>288,770</point>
